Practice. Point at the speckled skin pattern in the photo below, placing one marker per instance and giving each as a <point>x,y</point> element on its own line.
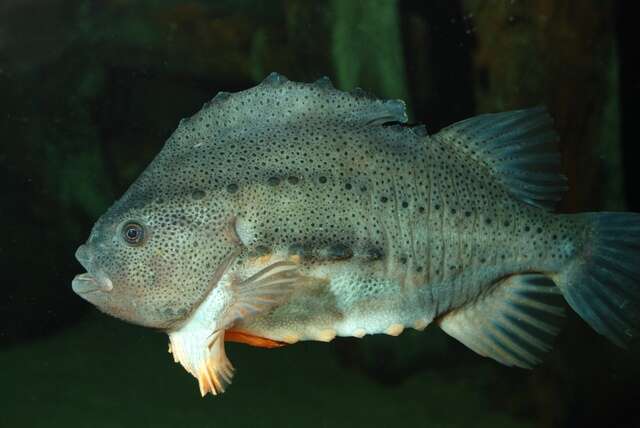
<point>392,227</point>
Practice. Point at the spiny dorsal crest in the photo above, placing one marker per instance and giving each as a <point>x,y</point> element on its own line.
<point>279,102</point>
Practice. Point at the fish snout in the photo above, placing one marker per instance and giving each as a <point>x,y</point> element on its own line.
<point>92,280</point>
<point>84,256</point>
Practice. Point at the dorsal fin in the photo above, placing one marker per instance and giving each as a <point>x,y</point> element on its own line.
<point>518,148</point>
<point>277,101</point>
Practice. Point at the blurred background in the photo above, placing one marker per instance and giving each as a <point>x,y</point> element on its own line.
<point>89,92</point>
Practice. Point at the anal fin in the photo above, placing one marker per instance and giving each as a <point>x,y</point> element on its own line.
<point>514,322</point>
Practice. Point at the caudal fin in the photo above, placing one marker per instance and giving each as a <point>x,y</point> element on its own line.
<point>603,284</point>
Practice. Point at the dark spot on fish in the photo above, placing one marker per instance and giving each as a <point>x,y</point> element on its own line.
<point>273,181</point>
<point>419,269</point>
<point>322,179</point>
<point>197,194</point>
<point>174,313</point>
<point>384,199</point>
<point>297,250</point>
<point>347,186</point>
<point>337,252</point>
<point>405,204</point>
<point>261,250</point>
<point>467,213</point>
<point>506,223</point>
<point>232,188</point>
<point>527,228</point>
<point>403,260</point>
<point>421,209</point>
<point>436,206</point>
<point>363,189</point>
<point>488,221</point>
<point>374,253</point>
<point>539,230</point>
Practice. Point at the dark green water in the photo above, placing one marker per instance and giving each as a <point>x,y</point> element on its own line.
<point>112,374</point>
<point>89,91</point>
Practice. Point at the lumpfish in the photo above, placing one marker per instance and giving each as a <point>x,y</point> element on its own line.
<point>295,211</point>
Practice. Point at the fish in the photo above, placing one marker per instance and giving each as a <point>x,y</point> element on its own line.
<point>295,211</point>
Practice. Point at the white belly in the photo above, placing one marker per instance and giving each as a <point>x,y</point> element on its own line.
<point>350,302</point>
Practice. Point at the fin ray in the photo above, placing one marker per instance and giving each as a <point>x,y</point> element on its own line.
<point>204,357</point>
<point>602,284</point>
<point>514,323</point>
<point>263,290</point>
<point>518,149</point>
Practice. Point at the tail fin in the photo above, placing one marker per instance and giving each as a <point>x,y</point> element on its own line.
<point>603,284</point>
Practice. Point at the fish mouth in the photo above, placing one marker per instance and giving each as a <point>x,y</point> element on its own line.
<point>86,283</point>
<point>91,281</point>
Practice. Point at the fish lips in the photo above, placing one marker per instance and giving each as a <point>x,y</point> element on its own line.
<point>86,283</point>
<point>89,282</point>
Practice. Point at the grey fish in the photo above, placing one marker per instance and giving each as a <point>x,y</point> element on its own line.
<point>295,211</point>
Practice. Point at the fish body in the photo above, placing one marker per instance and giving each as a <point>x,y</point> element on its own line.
<point>295,211</point>
<point>399,240</point>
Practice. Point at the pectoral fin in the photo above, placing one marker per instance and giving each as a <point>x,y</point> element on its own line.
<point>263,290</point>
<point>514,323</point>
<point>199,344</point>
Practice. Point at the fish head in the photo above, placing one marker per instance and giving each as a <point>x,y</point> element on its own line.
<point>152,257</point>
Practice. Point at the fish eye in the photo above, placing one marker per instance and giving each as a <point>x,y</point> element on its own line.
<point>133,233</point>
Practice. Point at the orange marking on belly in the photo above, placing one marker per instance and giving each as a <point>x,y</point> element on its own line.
<point>260,342</point>
<point>295,258</point>
<point>264,259</point>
